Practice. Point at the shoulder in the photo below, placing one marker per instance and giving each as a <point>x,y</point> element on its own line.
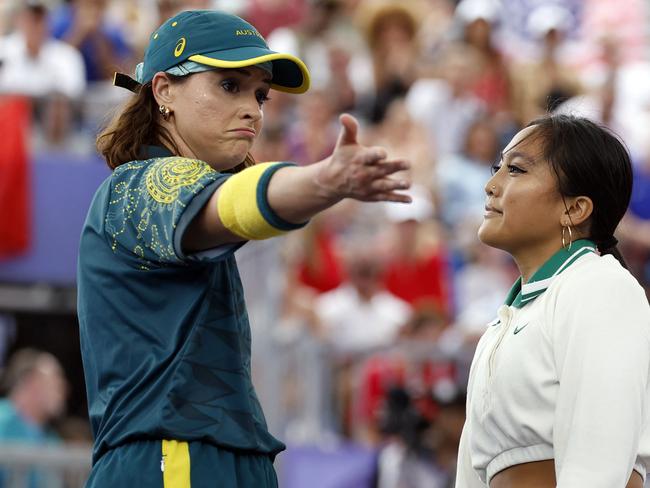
<point>61,50</point>
<point>11,42</point>
<point>600,289</point>
<point>8,415</point>
<point>594,275</point>
<point>167,172</point>
<point>174,165</point>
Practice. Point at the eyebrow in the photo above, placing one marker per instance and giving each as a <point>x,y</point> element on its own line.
<point>517,154</point>
<point>246,73</point>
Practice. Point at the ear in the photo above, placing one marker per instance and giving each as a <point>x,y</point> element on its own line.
<point>162,89</point>
<point>578,210</point>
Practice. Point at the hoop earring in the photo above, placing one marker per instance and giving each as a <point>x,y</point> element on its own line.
<point>164,111</point>
<point>564,238</point>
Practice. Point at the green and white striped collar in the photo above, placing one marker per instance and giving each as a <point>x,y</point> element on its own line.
<point>519,295</point>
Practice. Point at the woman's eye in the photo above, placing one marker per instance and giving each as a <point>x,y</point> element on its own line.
<point>494,168</point>
<point>262,97</point>
<point>229,86</point>
<point>512,169</point>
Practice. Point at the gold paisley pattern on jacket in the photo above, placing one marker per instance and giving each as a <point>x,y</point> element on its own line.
<point>167,176</point>
<point>146,203</point>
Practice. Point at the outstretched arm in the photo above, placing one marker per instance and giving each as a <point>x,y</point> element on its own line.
<point>295,194</point>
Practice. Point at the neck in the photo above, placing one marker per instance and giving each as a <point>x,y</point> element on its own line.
<point>184,149</point>
<point>366,294</point>
<point>530,260</point>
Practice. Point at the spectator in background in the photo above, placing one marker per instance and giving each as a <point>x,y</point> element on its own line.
<point>327,43</point>
<point>83,24</point>
<point>268,15</point>
<point>360,315</point>
<point>356,319</point>
<point>460,177</point>
<point>539,87</point>
<point>417,363</point>
<point>391,31</point>
<point>492,84</point>
<point>312,136</point>
<point>400,134</point>
<point>167,9</point>
<point>480,284</point>
<point>33,63</point>
<point>35,386</point>
<point>416,268</point>
<point>445,104</point>
<point>38,66</point>
<point>318,264</point>
<point>447,430</point>
<point>36,391</point>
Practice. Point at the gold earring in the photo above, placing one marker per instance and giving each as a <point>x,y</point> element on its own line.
<point>164,111</point>
<point>564,245</point>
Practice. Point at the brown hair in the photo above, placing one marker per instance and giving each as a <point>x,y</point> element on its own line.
<point>137,125</point>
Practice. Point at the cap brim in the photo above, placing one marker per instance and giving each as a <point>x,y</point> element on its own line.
<point>289,73</point>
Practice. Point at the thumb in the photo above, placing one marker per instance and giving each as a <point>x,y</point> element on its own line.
<point>349,130</point>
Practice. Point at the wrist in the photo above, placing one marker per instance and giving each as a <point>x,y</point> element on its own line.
<point>324,187</point>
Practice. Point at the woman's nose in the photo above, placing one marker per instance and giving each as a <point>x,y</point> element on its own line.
<point>491,187</point>
<point>252,110</point>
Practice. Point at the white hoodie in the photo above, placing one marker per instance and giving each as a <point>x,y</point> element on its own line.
<point>563,374</point>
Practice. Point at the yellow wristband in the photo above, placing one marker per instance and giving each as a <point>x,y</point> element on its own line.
<point>243,206</point>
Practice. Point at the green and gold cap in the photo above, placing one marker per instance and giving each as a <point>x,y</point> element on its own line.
<point>219,40</point>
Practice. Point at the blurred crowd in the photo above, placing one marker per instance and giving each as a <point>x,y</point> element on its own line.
<point>390,298</point>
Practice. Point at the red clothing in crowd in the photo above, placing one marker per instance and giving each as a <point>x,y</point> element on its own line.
<point>324,272</point>
<point>419,281</point>
<point>381,373</point>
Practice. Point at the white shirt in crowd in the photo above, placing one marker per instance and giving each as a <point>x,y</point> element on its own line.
<point>353,325</point>
<point>58,68</point>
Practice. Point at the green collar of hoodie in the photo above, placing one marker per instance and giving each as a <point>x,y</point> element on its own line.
<point>519,295</point>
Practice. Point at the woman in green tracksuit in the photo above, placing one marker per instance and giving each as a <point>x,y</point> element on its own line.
<point>164,331</point>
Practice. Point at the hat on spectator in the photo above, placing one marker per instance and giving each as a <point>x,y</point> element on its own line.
<point>373,17</point>
<point>420,209</point>
<point>469,11</point>
<point>545,18</point>
<point>209,39</point>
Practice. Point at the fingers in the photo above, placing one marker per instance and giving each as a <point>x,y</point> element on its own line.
<point>388,185</point>
<point>389,197</point>
<point>389,167</point>
<point>373,155</point>
<point>349,130</point>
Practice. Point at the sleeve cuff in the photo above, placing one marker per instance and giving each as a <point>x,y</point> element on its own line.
<point>194,206</point>
<point>263,204</point>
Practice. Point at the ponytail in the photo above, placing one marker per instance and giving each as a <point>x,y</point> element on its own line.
<point>134,126</point>
<point>610,246</point>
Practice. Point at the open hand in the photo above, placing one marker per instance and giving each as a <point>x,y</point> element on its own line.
<point>360,172</point>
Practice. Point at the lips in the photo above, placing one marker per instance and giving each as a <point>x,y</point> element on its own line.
<point>249,130</point>
<point>489,208</point>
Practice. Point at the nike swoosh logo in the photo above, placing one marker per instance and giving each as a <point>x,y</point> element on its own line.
<point>519,329</point>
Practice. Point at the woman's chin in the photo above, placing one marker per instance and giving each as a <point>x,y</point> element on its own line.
<point>487,236</point>
<point>225,164</point>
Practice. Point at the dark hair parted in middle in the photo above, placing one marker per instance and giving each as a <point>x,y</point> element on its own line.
<point>589,160</point>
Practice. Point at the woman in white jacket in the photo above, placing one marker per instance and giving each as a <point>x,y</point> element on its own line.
<point>558,391</point>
